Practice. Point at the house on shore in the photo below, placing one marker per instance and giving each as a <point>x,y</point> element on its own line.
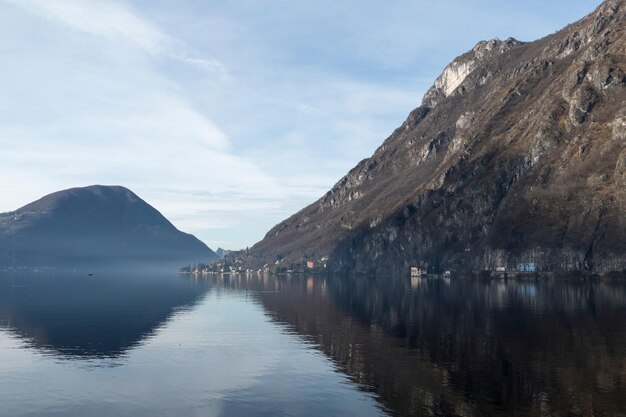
<point>527,267</point>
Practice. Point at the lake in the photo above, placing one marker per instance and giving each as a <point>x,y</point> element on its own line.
<point>130,344</point>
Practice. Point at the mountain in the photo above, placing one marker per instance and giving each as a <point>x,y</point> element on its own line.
<point>516,154</point>
<point>221,253</point>
<point>96,224</point>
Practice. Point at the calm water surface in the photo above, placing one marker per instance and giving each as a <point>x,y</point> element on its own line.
<point>165,345</point>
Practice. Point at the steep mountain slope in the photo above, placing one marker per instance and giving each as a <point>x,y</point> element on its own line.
<point>93,224</point>
<point>517,154</point>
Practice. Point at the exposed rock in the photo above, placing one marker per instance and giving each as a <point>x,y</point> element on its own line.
<point>581,104</point>
<point>517,154</point>
<point>455,74</point>
<point>619,128</point>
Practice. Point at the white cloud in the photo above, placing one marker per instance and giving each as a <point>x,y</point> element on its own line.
<point>208,65</point>
<point>78,111</point>
<point>111,20</point>
<point>248,110</point>
<point>117,22</point>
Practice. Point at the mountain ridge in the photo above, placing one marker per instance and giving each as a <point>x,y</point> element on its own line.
<point>93,224</point>
<point>516,155</point>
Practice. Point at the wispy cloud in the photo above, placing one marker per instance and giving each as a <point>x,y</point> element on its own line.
<point>117,22</point>
<point>208,65</point>
<point>99,109</point>
<point>227,116</point>
<point>108,19</point>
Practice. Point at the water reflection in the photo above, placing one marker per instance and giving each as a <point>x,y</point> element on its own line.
<point>256,346</point>
<point>181,347</point>
<point>78,316</point>
<point>444,347</point>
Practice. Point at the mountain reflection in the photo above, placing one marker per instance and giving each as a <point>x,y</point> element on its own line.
<point>466,348</point>
<point>80,316</point>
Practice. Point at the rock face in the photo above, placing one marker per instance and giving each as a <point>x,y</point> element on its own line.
<point>517,154</point>
<point>97,224</point>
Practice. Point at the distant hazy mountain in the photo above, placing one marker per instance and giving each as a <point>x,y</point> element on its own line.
<point>221,252</point>
<point>516,154</point>
<point>96,224</point>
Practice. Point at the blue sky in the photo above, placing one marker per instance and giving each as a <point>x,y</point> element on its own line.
<point>226,116</point>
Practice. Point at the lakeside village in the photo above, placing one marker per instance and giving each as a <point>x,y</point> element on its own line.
<point>235,265</point>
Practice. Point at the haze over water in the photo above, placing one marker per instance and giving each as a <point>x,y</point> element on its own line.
<point>163,345</point>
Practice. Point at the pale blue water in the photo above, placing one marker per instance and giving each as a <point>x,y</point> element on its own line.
<point>213,352</point>
<point>139,345</point>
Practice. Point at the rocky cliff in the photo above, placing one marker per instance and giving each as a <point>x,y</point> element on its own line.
<point>96,224</point>
<point>516,154</point>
